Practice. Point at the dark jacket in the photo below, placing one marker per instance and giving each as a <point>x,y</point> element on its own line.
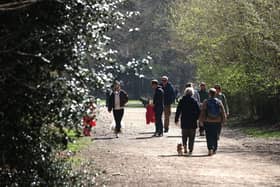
<point>158,99</point>
<point>189,110</point>
<point>203,94</point>
<point>123,100</point>
<point>169,94</point>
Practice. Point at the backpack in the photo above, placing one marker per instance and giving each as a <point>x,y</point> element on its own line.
<point>213,108</point>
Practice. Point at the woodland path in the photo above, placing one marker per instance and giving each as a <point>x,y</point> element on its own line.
<point>137,159</point>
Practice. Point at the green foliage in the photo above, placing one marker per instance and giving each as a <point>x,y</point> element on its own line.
<point>46,50</point>
<point>78,144</point>
<point>148,34</point>
<point>261,133</point>
<point>234,43</point>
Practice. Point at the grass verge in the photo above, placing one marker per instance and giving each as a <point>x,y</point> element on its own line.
<point>262,133</point>
<point>131,103</point>
<point>75,145</point>
<point>255,128</point>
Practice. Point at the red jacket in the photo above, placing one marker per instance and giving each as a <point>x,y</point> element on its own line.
<point>150,114</point>
<point>89,121</point>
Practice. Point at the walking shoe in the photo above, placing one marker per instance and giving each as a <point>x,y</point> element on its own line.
<point>185,150</point>
<point>117,135</point>
<point>210,152</point>
<point>214,151</point>
<point>166,130</point>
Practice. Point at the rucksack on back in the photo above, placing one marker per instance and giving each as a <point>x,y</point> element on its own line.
<point>213,108</point>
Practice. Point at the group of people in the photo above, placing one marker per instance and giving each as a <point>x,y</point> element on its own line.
<point>164,96</point>
<point>209,109</point>
<point>206,109</point>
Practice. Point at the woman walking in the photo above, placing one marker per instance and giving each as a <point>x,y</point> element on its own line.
<point>117,101</point>
<point>189,111</point>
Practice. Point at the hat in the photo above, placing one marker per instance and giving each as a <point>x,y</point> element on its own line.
<point>164,78</point>
<point>154,81</point>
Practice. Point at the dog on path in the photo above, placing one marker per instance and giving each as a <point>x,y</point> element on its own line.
<point>180,149</point>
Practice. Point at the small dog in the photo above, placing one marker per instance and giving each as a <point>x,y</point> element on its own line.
<point>180,149</point>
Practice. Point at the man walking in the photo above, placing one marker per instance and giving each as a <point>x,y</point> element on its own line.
<point>222,97</point>
<point>169,98</point>
<point>117,101</point>
<point>203,94</point>
<point>213,116</point>
<point>158,107</point>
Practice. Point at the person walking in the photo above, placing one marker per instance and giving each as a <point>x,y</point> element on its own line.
<point>196,94</point>
<point>169,98</point>
<point>223,98</point>
<point>158,104</point>
<point>212,115</point>
<point>117,101</point>
<point>189,111</point>
<point>203,94</point>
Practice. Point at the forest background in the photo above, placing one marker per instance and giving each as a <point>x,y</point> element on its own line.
<point>55,54</point>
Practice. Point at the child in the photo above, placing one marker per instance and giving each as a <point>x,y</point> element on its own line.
<point>150,114</point>
<point>88,123</point>
<point>89,119</point>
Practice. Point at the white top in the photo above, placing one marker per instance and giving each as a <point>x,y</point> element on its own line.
<point>117,101</point>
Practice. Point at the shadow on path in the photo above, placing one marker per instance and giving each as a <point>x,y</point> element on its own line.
<point>174,136</point>
<point>146,132</point>
<point>176,155</point>
<point>102,138</point>
<point>143,138</point>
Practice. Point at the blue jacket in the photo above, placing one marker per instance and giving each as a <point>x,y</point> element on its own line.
<point>169,94</point>
<point>189,111</point>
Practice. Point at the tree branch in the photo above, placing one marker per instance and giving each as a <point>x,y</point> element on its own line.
<point>16,5</point>
<point>20,4</point>
<point>33,55</point>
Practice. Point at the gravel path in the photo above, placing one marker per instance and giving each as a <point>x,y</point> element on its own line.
<point>137,159</point>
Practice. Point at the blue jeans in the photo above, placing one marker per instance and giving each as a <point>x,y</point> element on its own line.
<point>211,130</point>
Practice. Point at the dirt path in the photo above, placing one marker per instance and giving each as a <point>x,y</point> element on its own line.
<point>136,159</point>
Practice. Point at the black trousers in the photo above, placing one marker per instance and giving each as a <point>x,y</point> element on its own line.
<point>212,130</point>
<point>158,116</point>
<point>201,127</point>
<point>188,134</point>
<point>118,115</point>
